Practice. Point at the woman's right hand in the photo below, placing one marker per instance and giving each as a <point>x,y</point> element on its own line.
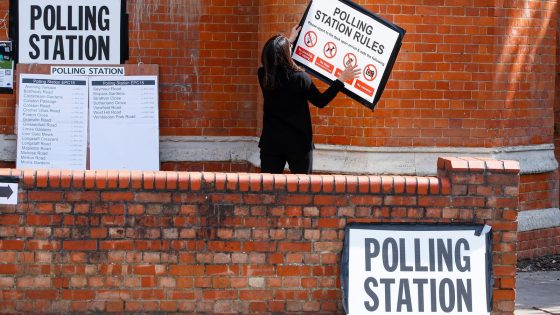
<point>294,32</point>
<point>350,73</point>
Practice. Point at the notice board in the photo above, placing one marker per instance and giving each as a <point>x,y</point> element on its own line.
<point>417,269</point>
<point>52,122</point>
<point>338,33</point>
<point>124,123</point>
<point>69,31</point>
<point>6,67</point>
<point>104,121</point>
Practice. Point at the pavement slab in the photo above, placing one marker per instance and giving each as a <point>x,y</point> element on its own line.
<point>538,293</point>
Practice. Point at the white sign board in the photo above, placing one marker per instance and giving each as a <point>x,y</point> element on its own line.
<point>52,122</point>
<point>69,31</point>
<point>124,123</point>
<point>89,71</point>
<point>417,269</point>
<point>9,190</point>
<point>338,33</point>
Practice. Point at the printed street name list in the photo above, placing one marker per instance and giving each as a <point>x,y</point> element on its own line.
<point>123,99</point>
<point>52,122</point>
<point>124,123</point>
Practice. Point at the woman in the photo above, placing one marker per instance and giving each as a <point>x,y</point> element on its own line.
<point>287,133</point>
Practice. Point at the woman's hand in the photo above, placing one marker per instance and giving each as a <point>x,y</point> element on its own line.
<point>350,73</point>
<point>294,33</point>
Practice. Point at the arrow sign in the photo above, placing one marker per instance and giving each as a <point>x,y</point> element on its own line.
<point>6,192</point>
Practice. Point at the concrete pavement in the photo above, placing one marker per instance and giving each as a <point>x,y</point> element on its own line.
<point>538,293</point>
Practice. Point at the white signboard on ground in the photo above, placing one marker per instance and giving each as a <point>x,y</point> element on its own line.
<point>124,123</point>
<point>52,122</point>
<point>339,33</point>
<point>417,269</point>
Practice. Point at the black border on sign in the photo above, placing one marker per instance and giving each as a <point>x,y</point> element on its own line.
<point>124,33</point>
<point>9,179</point>
<point>14,31</point>
<point>390,63</point>
<point>476,228</point>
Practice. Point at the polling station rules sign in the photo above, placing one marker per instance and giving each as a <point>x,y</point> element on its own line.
<point>70,31</point>
<point>417,269</point>
<point>338,33</point>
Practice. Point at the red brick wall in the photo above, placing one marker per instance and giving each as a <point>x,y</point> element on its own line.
<point>168,34</point>
<point>480,73</point>
<point>221,167</point>
<point>538,191</point>
<point>538,243</point>
<point>215,242</point>
<point>525,76</point>
<point>228,62</point>
<point>473,74</point>
<point>207,57</point>
<point>469,74</point>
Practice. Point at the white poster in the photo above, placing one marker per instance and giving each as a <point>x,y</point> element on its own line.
<point>336,34</point>
<point>6,66</point>
<point>439,270</point>
<point>52,122</point>
<point>70,31</point>
<point>89,71</point>
<point>124,123</point>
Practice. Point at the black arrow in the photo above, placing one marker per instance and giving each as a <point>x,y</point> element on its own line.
<point>6,192</point>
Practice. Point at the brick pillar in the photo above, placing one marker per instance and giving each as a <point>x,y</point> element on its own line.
<point>488,190</point>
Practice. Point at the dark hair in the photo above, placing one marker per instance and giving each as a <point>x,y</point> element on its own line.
<point>277,61</point>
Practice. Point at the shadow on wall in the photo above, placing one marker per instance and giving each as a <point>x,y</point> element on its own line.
<point>522,55</point>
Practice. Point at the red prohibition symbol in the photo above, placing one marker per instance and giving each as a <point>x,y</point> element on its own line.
<point>350,60</point>
<point>330,50</point>
<point>310,39</point>
<point>370,72</point>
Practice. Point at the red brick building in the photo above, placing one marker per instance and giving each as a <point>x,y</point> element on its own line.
<point>473,78</point>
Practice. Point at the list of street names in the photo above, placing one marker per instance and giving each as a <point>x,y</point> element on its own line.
<point>124,123</point>
<point>133,101</point>
<point>52,122</point>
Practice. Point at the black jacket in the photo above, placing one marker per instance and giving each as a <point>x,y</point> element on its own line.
<point>286,118</point>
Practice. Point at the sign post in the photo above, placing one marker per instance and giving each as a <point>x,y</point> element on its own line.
<point>52,121</point>
<point>336,34</point>
<point>417,269</point>
<point>8,190</point>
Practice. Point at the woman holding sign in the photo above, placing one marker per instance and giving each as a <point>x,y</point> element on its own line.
<point>287,134</point>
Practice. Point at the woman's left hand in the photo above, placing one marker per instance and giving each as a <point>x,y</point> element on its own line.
<point>350,73</point>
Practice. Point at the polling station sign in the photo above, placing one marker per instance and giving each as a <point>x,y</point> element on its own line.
<point>70,31</point>
<point>417,269</point>
<point>339,33</point>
